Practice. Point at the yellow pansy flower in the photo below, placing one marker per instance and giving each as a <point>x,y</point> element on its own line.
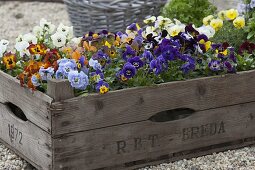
<point>231,14</point>
<point>239,22</point>
<point>222,14</point>
<point>207,19</point>
<point>216,23</point>
<point>103,89</point>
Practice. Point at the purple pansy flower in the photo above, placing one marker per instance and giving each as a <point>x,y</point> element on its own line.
<point>147,55</point>
<point>97,76</point>
<point>189,65</point>
<point>155,66</point>
<point>100,84</point>
<point>78,80</point>
<point>169,52</point>
<point>129,70</point>
<point>136,62</point>
<point>215,65</point>
<point>229,67</point>
<point>133,27</point>
<point>130,52</point>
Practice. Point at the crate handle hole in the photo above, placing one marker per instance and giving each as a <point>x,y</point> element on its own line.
<point>16,111</point>
<point>171,115</point>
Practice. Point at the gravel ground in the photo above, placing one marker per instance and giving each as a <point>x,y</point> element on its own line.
<point>16,19</point>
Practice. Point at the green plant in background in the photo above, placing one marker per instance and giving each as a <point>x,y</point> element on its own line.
<point>189,11</point>
<point>247,8</point>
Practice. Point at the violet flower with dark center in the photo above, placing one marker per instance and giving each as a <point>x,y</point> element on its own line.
<point>155,66</point>
<point>136,62</point>
<point>147,55</point>
<point>129,70</point>
<point>191,30</point>
<point>130,52</point>
<point>189,65</point>
<point>97,75</point>
<point>215,65</point>
<point>102,58</point>
<point>229,67</point>
<point>169,52</point>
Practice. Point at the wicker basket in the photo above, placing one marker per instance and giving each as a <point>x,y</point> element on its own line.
<point>113,15</point>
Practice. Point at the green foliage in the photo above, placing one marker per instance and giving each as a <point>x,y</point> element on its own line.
<point>245,62</point>
<point>250,28</point>
<point>228,33</point>
<point>189,11</point>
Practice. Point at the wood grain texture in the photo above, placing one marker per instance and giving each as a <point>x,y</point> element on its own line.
<point>26,139</point>
<point>138,104</point>
<point>35,104</point>
<point>59,90</point>
<point>185,154</point>
<point>148,140</point>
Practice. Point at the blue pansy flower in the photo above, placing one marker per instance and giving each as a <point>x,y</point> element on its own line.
<point>66,65</point>
<point>95,64</point>
<point>35,80</point>
<point>46,74</point>
<point>78,80</point>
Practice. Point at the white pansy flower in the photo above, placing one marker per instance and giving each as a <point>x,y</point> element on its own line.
<point>47,26</point>
<point>22,48</point>
<point>38,31</point>
<point>76,41</point>
<point>162,22</point>
<point>149,30</point>
<point>4,42</point>
<point>58,39</point>
<point>30,38</point>
<point>149,20</point>
<point>19,38</point>
<point>67,31</point>
<point>174,30</point>
<point>3,47</point>
<point>206,30</point>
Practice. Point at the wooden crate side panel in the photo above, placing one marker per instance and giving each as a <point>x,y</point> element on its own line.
<point>138,104</point>
<point>185,154</point>
<point>34,104</point>
<point>26,139</point>
<point>147,140</point>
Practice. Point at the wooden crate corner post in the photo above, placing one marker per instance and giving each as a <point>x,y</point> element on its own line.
<point>59,90</point>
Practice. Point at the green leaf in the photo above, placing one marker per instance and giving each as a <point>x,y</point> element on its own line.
<point>250,35</point>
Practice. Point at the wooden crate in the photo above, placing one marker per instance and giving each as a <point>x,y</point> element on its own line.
<point>128,128</point>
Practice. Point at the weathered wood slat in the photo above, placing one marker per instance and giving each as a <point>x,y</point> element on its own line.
<point>147,140</point>
<point>26,139</point>
<point>138,104</point>
<point>185,154</point>
<point>34,104</point>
